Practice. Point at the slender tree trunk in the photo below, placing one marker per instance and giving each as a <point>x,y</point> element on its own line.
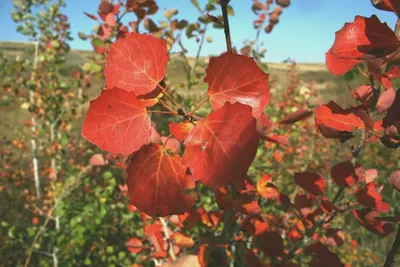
<point>35,159</point>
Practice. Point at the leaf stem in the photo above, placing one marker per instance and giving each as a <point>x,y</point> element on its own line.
<point>224,7</point>
<point>162,112</point>
<point>167,107</point>
<point>199,105</point>
<point>164,91</point>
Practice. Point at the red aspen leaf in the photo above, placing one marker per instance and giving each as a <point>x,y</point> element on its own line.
<point>394,180</point>
<point>364,38</point>
<point>283,3</point>
<point>117,122</point>
<point>393,113</point>
<point>344,174</point>
<point>327,206</point>
<point>104,32</point>
<point>263,123</point>
<point>339,66</point>
<point>369,175</point>
<point>249,208</point>
<point>105,7</point>
<point>274,138</point>
<point>250,258</point>
<point>214,19</point>
<point>220,149</point>
<point>111,21</point>
<point>387,5</point>
<point>365,94</point>
<point>334,117</point>
<point>182,240</point>
<point>134,245</point>
<point>35,220</point>
<point>155,136</point>
<point>364,116</point>
<point>369,197</point>
<point>302,201</point>
<point>97,160</point>
<point>171,144</point>
<point>334,134</point>
<point>296,116</point>
<point>139,72</point>
<point>278,156</point>
<point>310,181</point>
<point>393,219</point>
<point>155,235</point>
<point>182,261</point>
<point>266,189</point>
<point>181,130</point>
<point>157,182</point>
<point>322,256</point>
<point>378,126</point>
<point>204,255</point>
<point>386,100</point>
<point>394,72</point>
<point>334,237</point>
<point>236,78</point>
<point>93,17</point>
<point>367,219</point>
<point>271,243</point>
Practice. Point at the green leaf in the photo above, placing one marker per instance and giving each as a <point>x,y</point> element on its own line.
<point>109,249</point>
<point>196,4</point>
<point>210,7</point>
<point>231,12</point>
<point>97,42</point>
<point>82,36</point>
<point>107,175</point>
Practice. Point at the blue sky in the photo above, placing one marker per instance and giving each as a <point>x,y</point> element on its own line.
<point>305,32</point>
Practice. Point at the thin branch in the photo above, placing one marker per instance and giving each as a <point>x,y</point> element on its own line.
<point>66,190</point>
<point>224,6</point>
<point>391,256</point>
<point>196,61</point>
<point>167,236</point>
<point>362,72</point>
<point>397,28</point>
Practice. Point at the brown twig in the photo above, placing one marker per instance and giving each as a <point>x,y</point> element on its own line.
<point>199,105</point>
<point>391,256</point>
<point>224,6</point>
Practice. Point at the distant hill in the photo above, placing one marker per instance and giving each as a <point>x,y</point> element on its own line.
<point>77,57</point>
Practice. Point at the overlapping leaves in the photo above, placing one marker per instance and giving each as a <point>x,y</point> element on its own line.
<point>219,150</point>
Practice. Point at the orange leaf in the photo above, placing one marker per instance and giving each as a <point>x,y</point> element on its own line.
<point>139,72</point>
<point>236,78</point>
<point>334,118</point>
<point>364,38</point>
<point>157,182</point>
<point>220,149</point>
<point>181,130</point>
<point>310,181</point>
<point>117,122</point>
<point>182,240</point>
<point>266,189</point>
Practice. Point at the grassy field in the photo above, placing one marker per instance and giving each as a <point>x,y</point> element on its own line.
<point>329,86</point>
